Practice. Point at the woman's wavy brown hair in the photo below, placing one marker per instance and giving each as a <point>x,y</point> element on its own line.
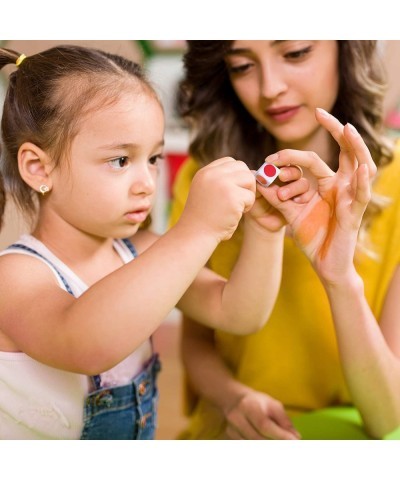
<point>223,127</point>
<point>47,97</point>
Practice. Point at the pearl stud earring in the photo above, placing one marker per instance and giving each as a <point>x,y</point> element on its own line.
<point>43,189</point>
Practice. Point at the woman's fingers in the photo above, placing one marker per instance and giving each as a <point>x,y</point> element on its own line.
<point>334,127</point>
<point>305,159</point>
<point>239,428</point>
<point>350,142</point>
<point>274,431</point>
<point>290,173</point>
<point>293,189</point>
<point>347,158</point>
<point>362,191</point>
<point>359,148</point>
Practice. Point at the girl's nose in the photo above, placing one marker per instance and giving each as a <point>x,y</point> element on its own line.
<point>144,181</point>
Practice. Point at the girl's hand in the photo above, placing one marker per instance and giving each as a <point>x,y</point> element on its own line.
<point>257,416</point>
<point>220,194</point>
<point>325,222</point>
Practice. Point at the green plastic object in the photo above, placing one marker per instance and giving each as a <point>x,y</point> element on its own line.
<point>335,423</point>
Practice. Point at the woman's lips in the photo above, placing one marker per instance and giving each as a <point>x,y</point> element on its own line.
<point>282,114</point>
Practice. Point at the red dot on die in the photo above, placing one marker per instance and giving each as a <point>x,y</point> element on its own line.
<point>269,170</point>
<point>261,179</point>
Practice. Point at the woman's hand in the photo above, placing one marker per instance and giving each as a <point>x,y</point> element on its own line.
<point>257,416</point>
<point>268,217</point>
<point>325,221</point>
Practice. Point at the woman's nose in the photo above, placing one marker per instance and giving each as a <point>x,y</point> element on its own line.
<point>272,82</point>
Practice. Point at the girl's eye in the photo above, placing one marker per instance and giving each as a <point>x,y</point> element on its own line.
<point>154,160</point>
<point>297,54</point>
<point>118,163</point>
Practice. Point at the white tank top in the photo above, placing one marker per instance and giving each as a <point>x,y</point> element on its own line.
<point>38,401</point>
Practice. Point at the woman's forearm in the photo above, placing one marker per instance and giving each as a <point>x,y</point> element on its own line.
<point>207,373</point>
<point>372,371</point>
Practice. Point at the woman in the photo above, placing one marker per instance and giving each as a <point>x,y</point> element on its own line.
<point>322,346</point>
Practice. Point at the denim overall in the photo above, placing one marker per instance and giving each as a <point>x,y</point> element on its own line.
<point>125,412</point>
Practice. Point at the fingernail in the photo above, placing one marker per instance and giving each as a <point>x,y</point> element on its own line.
<point>353,129</point>
<point>323,112</point>
<point>272,158</point>
<point>295,432</point>
<point>283,175</point>
<point>283,193</point>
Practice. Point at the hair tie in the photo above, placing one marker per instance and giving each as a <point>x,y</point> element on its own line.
<point>20,59</point>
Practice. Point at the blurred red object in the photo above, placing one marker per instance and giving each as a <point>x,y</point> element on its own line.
<point>174,161</point>
<point>393,119</point>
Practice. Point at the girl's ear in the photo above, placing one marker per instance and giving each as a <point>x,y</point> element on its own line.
<point>34,166</point>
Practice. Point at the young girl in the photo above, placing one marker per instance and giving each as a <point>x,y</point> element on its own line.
<point>333,336</point>
<point>82,134</point>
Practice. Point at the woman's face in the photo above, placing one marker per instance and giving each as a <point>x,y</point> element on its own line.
<point>281,83</point>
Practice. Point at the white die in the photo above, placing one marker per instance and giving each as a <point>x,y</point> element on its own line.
<point>266,174</point>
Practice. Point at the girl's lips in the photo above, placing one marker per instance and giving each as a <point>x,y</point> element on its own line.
<point>137,216</point>
<point>282,114</point>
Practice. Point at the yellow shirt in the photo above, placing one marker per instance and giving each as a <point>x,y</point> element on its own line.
<point>295,358</point>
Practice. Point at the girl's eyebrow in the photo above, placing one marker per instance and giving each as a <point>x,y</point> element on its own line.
<point>113,146</point>
<point>126,146</point>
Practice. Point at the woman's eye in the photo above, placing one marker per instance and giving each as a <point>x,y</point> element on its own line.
<point>239,68</point>
<point>119,162</point>
<point>297,54</point>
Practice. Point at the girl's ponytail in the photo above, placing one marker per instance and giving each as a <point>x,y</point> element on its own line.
<point>9,57</point>
<point>2,200</point>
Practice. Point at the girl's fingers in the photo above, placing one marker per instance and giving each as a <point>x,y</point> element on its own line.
<point>270,194</point>
<point>309,160</point>
<point>221,161</point>
<point>287,208</point>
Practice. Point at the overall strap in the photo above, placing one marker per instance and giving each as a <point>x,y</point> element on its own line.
<point>130,246</point>
<point>34,252</point>
<point>96,379</point>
